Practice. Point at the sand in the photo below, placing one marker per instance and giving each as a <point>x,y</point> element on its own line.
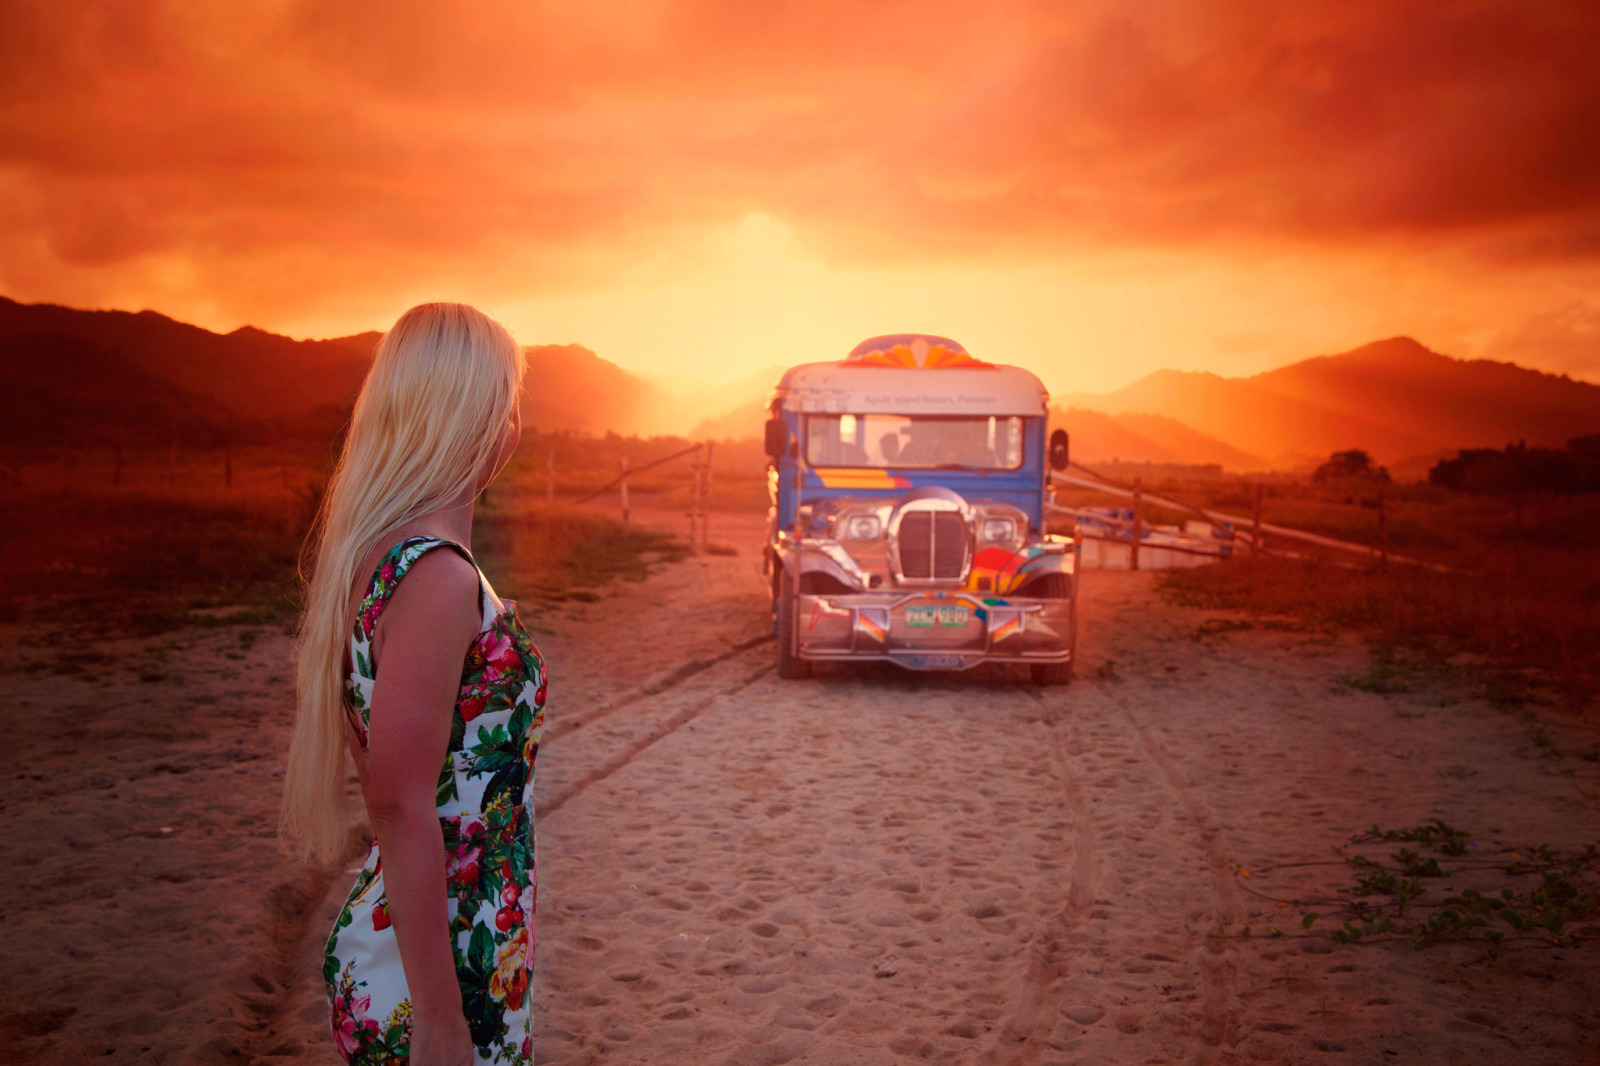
<point>865,867</point>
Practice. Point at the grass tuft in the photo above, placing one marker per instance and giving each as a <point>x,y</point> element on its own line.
<point>1538,622</point>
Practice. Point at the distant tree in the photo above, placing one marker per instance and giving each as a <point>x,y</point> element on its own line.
<point>1519,469</point>
<point>1480,470</point>
<point>1586,447</point>
<point>1354,463</point>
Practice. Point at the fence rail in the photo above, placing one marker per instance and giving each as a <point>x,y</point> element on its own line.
<point>1249,531</point>
<point>628,471</point>
<point>699,496</point>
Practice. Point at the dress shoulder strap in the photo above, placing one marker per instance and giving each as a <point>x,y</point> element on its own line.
<point>391,568</point>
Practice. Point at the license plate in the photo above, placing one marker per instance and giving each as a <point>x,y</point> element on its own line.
<point>926,617</point>
<point>952,662</point>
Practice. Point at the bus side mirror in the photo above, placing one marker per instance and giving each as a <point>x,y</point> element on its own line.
<point>777,438</point>
<point>1058,450</point>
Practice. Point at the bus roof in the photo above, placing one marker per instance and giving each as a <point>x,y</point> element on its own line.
<point>911,374</point>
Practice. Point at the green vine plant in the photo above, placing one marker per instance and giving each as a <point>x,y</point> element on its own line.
<point>1441,886</point>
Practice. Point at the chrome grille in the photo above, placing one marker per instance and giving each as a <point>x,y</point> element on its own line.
<point>932,545</point>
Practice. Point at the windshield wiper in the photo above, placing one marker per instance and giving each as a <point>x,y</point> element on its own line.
<point>963,466</point>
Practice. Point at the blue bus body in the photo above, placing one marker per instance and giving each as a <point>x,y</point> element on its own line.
<point>908,485</point>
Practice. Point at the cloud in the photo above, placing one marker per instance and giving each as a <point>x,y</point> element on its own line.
<point>1563,340</point>
<point>283,155</point>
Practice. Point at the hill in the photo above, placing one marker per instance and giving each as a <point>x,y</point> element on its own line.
<point>1142,438</point>
<point>84,394</point>
<point>120,377</point>
<point>719,409</point>
<point>568,387</point>
<point>1394,398</point>
<point>248,372</point>
<point>116,377</point>
<point>741,423</point>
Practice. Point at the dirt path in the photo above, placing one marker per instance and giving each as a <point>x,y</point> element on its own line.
<point>865,867</point>
<point>879,867</point>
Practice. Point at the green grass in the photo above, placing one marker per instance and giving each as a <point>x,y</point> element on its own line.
<point>564,553</point>
<point>137,562</point>
<point>140,563</point>
<point>1542,618</point>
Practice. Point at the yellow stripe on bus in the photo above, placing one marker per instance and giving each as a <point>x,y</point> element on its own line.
<point>859,479</point>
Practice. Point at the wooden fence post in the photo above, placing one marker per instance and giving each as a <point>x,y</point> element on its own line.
<point>705,500</point>
<point>1255,524</point>
<point>695,482</point>
<point>550,479</point>
<point>227,468</point>
<point>1383,532</point>
<point>172,463</point>
<point>622,489</point>
<point>1138,530</point>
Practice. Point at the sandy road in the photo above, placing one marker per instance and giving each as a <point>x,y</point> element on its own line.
<point>865,867</point>
<point>871,866</point>
<point>876,867</point>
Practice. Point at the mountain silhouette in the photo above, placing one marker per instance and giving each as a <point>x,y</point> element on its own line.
<point>248,373</point>
<point>63,390</point>
<point>1394,398</point>
<point>1144,438</point>
<point>115,377</point>
<point>568,387</point>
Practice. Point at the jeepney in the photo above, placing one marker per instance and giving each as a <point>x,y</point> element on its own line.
<point>908,485</point>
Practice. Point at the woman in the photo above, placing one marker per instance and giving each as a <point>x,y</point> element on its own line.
<point>432,685</point>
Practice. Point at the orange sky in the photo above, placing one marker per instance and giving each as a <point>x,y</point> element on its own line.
<point>1093,189</point>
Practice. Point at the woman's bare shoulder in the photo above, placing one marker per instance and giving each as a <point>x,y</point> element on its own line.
<point>440,584</point>
<point>379,551</point>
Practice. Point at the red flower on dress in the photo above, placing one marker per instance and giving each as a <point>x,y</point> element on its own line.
<point>461,861</point>
<point>472,705</point>
<point>500,657</point>
<point>350,1022</point>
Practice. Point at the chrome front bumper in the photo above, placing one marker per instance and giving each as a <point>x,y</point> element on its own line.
<point>934,630</point>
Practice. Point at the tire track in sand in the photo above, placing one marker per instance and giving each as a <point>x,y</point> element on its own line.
<point>626,742</point>
<point>1023,1038</point>
<point>1219,965</point>
<point>1121,970</point>
<point>656,686</point>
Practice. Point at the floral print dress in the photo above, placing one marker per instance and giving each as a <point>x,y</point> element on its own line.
<point>485,803</point>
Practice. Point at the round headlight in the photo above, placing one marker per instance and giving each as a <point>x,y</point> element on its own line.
<point>998,530</point>
<point>862,527</point>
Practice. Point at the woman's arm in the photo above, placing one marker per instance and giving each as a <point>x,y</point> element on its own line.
<point>426,628</point>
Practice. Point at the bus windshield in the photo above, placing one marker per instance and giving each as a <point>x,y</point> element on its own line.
<point>929,442</point>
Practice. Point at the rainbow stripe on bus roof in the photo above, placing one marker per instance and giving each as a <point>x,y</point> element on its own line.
<point>916,351</point>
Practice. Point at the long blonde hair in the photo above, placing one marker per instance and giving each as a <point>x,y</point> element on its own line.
<point>430,419</point>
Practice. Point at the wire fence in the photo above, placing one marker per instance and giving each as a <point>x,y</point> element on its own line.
<point>1226,530</point>
<point>700,493</point>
